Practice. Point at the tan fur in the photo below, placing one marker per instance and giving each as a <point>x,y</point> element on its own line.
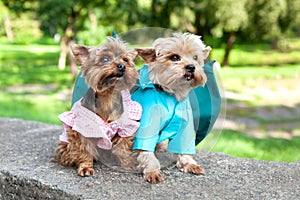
<point>99,67</point>
<point>171,75</point>
<point>150,166</point>
<point>186,163</point>
<point>176,79</point>
<point>122,150</point>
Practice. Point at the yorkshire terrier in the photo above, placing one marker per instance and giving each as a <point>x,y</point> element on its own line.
<point>173,67</point>
<point>105,117</point>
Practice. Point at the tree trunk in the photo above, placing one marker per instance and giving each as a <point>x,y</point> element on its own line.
<point>8,31</point>
<point>229,45</point>
<point>274,45</point>
<point>197,24</point>
<point>66,42</point>
<point>72,63</point>
<point>93,20</point>
<point>154,14</point>
<point>298,32</point>
<point>63,53</point>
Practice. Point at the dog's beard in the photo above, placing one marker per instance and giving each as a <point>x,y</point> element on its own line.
<point>188,76</point>
<point>176,80</point>
<point>171,77</point>
<point>172,80</point>
<point>99,77</point>
<point>199,78</point>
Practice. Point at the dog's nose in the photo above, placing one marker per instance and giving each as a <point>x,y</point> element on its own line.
<point>121,67</point>
<point>190,68</point>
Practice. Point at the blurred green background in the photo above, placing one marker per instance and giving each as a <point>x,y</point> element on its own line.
<point>256,42</point>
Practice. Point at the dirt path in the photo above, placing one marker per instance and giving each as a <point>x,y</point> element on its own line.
<point>270,109</point>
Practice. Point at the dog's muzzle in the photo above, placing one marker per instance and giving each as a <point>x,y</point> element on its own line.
<point>189,75</point>
<point>120,70</point>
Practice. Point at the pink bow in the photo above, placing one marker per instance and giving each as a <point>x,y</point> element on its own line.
<point>90,125</point>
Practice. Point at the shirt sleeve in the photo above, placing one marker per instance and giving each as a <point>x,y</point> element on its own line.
<point>181,130</point>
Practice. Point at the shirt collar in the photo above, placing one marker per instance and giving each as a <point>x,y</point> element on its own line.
<point>144,78</point>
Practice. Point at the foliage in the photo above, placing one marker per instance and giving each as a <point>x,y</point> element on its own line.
<point>89,21</point>
<point>26,30</point>
<point>23,28</point>
<point>272,20</point>
<point>266,17</point>
<point>231,16</point>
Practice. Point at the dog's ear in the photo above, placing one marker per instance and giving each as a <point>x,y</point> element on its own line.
<point>206,51</point>
<point>148,54</point>
<point>80,53</point>
<point>132,54</point>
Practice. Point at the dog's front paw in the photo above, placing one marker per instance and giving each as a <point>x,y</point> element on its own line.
<point>153,177</point>
<point>85,169</point>
<point>193,169</point>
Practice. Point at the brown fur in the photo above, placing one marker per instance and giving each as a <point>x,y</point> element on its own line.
<point>99,66</point>
<point>169,63</point>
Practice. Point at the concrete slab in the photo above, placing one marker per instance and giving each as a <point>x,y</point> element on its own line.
<point>26,173</point>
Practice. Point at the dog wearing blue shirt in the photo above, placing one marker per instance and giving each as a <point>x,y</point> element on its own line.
<point>173,67</point>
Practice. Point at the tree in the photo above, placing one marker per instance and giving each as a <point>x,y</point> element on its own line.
<point>265,15</point>
<point>273,20</point>
<point>291,20</point>
<point>5,18</point>
<point>228,18</point>
<point>221,19</point>
<point>65,18</point>
<point>70,18</point>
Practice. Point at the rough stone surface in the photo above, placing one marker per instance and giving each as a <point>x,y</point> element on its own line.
<point>26,173</point>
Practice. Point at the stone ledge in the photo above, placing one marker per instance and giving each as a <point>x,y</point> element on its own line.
<point>26,173</point>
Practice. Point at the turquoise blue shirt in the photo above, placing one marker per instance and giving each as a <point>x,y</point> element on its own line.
<point>163,118</point>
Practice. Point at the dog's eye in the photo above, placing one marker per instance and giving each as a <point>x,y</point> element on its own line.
<point>174,57</point>
<point>105,59</point>
<point>126,60</point>
<point>195,57</point>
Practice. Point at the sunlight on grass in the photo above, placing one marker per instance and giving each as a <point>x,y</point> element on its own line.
<point>34,75</point>
<point>235,79</point>
<point>263,72</point>
<point>8,49</point>
<point>32,107</point>
<point>240,145</point>
<point>257,56</point>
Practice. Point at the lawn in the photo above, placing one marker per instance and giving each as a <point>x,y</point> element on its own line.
<point>32,88</point>
<point>238,144</point>
<point>31,83</point>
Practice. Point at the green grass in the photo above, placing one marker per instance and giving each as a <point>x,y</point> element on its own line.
<point>238,144</point>
<point>235,79</point>
<point>43,108</point>
<point>249,73</point>
<point>31,66</point>
<point>35,65</point>
<point>260,55</point>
